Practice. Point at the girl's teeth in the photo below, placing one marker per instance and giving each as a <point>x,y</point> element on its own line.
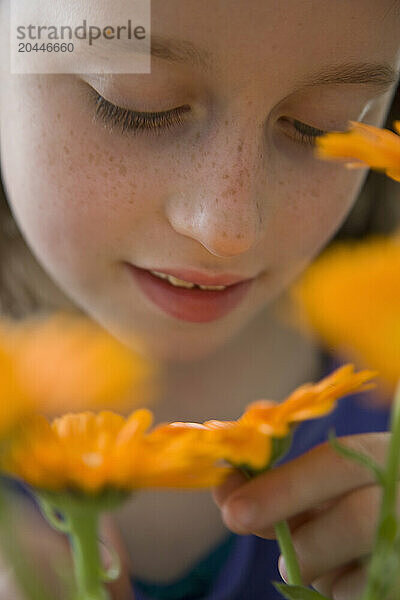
<point>179,282</point>
<point>212,287</point>
<point>186,284</point>
<point>174,280</point>
<point>162,275</point>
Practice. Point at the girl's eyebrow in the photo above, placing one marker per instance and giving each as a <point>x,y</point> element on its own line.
<point>182,51</point>
<point>380,76</point>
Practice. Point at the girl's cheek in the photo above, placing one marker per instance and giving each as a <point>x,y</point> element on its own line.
<point>79,191</point>
<point>308,201</point>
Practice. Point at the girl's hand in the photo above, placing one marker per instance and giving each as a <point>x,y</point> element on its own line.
<point>45,547</point>
<point>331,505</point>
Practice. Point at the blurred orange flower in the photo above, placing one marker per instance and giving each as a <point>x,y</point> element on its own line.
<point>374,147</point>
<point>90,453</point>
<point>68,362</point>
<point>232,441</point>
<point>350,298</point>
<point>14,402</point>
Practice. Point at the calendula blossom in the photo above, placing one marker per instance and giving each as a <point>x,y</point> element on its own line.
<point>309,401</point>
<point>249,440</point>
<point>67,362</point>
<point>80,464</point>
<point>15,404</point>
<point>365,145</point>
<point>91,453</point>
<point>234,442</point>
<point>350,298</point>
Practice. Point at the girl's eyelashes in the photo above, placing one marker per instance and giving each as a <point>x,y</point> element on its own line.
<point>127,120</point>
<point>305,134</point>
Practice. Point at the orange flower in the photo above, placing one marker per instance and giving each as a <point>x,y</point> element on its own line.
<point>350,298</point>
<point>309,401</point>
<point>231,441</point>
<point>68,362</point>
<point>90,453</point>
<point>14,402</point>
<point>373,146</point>
<point>249,440</point>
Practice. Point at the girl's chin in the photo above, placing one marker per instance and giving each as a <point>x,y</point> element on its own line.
<point>180,352</point>
<point>169,348</point>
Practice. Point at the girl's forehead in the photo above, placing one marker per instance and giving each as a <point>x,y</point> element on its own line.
<point>237,41</point>
<point>234,28</point>
<point>285,45</point>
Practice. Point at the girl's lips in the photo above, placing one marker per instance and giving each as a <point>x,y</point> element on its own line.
<point>196,305</point>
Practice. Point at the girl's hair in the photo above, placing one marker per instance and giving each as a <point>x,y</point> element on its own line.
<point>26,288</point>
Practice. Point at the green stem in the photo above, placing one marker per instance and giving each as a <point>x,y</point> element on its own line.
<point>288,552</point>
<point>393,459</point>
<point>284,538</point>
<point>84,539</point>
<point>387,525</point>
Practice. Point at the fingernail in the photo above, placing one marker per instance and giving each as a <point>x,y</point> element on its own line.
<point>242,510</point>
<point>282,568</point>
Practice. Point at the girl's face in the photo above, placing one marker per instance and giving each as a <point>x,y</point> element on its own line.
<point>223,185</point>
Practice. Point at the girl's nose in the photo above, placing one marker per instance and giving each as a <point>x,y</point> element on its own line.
<point>220,202</point>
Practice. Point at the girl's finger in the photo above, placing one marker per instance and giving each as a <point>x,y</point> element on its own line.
<point>324,584</point>
<point>234,481</point>
<point>8,585</point>
<point>317,476</point>
<point>298,520</point>
<point>343,533</point>
<point>351,585</point>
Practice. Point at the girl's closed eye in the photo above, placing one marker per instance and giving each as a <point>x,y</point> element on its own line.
<point>305,134</point>
<point>127,120</point>
<point>130,120</point>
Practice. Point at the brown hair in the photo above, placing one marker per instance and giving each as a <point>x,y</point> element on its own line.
<point>26,288</point>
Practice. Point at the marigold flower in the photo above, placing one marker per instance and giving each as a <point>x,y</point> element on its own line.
<point>373,146</point>
<point>68,362</point>
<point>93,453</point>
<point>309,401</point>
<point>249,440</point>
<point>89,453</point>
<point>350,298</point>
<point>234,442</point>
<point>14,402</point>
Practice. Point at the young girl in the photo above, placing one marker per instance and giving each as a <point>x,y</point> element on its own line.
<point>213,182</point>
